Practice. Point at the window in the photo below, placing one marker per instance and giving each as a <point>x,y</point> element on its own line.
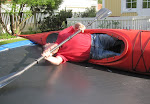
<point>146,3</point>
<point>131,3</point>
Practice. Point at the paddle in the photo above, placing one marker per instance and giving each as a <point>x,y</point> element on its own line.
<point>102,13</point>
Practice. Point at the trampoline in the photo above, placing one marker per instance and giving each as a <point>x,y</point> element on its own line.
<point>69,83</point>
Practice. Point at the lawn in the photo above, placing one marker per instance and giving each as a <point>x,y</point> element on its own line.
<point>10,38</point>
<point>11,41</point>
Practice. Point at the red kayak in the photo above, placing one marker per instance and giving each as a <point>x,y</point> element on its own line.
<point>134,52</point>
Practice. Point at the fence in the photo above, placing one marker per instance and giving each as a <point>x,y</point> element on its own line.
<point>132,22</point>
<point>135,22</point>
<point>32,22</point>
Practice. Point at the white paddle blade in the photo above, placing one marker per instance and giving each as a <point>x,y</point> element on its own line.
<point>7,79</point>
<point>103,13</point>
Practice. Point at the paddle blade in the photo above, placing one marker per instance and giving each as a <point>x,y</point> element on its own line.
<point>102,13</point>
<point>9,78</point>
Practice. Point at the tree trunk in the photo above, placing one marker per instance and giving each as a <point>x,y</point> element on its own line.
<point>21,22</point>
<point>11,24</point>
<point>1,21</point>
<point>35,21</point>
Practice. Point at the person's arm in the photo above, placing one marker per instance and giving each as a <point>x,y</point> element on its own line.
<point>57,60</point>
<point>54,60</point>
<point>49,56</point>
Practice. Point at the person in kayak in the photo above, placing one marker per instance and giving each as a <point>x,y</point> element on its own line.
<point>82,47</point>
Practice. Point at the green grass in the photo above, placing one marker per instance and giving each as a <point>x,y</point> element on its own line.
<point>11,41</point>
<point>6,36</point>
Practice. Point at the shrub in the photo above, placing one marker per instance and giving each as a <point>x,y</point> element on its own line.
<point>90,12</point>
<point>55,21</point>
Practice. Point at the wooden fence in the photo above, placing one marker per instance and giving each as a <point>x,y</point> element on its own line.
<point>32,22</point>
<point>134,22</point>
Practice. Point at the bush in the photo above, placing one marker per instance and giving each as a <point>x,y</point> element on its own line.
<point>55,22</point>
<point>31,31</point>
<point>90,12</point>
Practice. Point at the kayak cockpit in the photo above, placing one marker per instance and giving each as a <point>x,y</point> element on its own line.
<point>105,46</point>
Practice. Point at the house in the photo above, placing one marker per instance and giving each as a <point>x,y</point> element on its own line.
<point>128,7</point>
<point>78,5</point>
<point>74,5</point>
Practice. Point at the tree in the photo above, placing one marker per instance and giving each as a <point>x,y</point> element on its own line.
<point>17,19</point>
<point>3,25</point>
<point>90,12</point>
<point>99,1</point>
<point>55,21</point>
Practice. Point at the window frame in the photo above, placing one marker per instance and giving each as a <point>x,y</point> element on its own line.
<point>124,8</point>
<point>148,4</point>
<point>131,2</point>
<point>139,10</point>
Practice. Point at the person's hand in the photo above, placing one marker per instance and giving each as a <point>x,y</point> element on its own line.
<point>79,26</point>
<point>50,46</point>
<point>47,54</point>
<point>47,48</point>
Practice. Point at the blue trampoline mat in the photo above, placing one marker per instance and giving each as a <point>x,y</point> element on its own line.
<point>15,45</point>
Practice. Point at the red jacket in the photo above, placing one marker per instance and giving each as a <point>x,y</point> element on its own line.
<point>77,49</point>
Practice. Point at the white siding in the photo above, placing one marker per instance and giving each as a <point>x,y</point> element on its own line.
<point>78,5</point>
<point>140,11</point>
